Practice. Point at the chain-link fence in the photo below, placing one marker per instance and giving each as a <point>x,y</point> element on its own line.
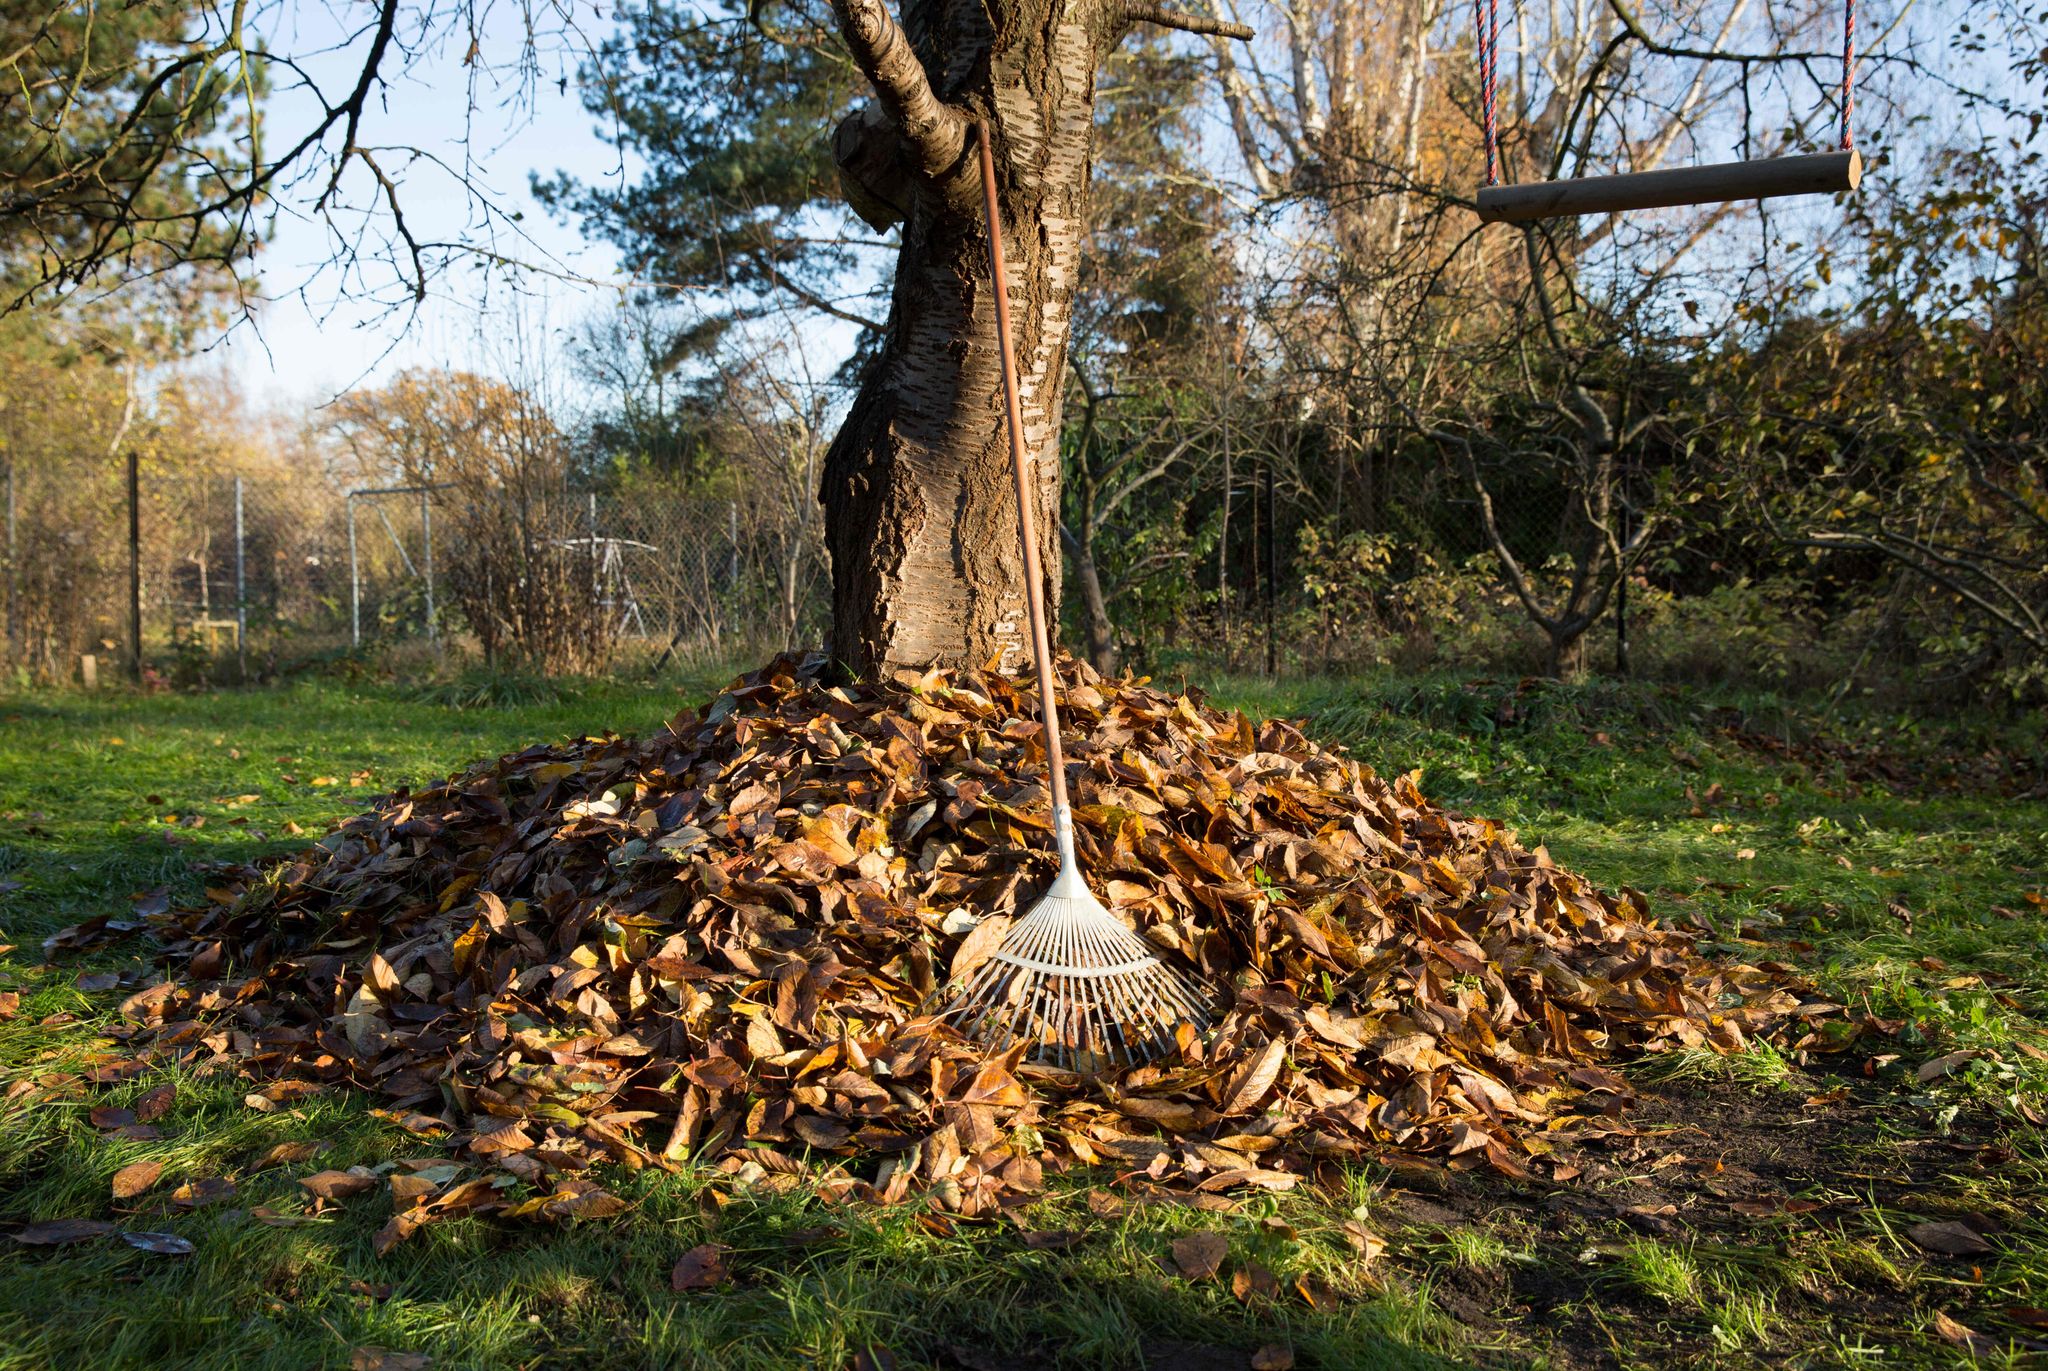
<point>1297,555</point>
<point>218,576</point>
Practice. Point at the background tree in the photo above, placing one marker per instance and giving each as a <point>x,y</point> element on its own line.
<point>522,570</point>
<point>1155,289</point>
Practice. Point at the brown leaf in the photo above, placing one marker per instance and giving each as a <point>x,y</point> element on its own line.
<point>136,1177</point>
<point>1944,1065</point>
<point>1200,1255</point>
<point>407,1188</point>
<point>1105,1205</point>
<point>207,1190</point>
<point>61,1232</point>
<point>1950,1238</point>
<point>1962,1335</point>
<point>700,1268</point>
<point>996,1087</point>
<point>1314,1292</point>
<point>340,1185</point>
<point>1366,1243</point>
<point>1251,1083</point>
<point>162,1244</point>
<point>1254,1282</point>
<point>290,1153</point>
<point>398,1228</point>
<point>829,1134</point>
<point>587,1203</point>
<point>155,1103</point>
<point>1273,1356</point>
<point>978,946</point>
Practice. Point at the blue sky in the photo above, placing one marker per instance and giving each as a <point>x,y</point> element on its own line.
<point>320,329</point>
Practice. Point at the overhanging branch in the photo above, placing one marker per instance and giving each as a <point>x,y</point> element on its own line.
<point>1135,13</point>
<point>935,130</point>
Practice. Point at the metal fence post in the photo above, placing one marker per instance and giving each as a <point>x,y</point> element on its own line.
<point>355,581</point>
<point>13,573</point>
<point>1621,602</point>
<point>241,589</point>
<point>135,568</point>
<point>427,560</point>
<point>1272,564</point>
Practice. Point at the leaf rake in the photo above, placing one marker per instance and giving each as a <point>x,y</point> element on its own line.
<point>1069,977</point>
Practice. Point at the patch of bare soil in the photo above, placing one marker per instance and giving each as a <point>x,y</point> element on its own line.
<point>1724,1173</point>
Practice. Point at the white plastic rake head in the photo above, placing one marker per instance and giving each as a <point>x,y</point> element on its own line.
<point>1070,979</point>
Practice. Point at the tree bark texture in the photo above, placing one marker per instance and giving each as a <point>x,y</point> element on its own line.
<point>920,510</point>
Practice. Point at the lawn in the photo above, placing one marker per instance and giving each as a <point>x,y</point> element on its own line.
<point>1754,1209</point>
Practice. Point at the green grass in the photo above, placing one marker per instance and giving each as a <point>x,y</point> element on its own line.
<point>107,798</point>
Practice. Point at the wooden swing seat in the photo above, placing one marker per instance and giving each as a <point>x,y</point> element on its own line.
<point>1819,173</point>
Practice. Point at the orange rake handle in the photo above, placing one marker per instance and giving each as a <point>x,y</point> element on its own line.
<point>1034,583</point>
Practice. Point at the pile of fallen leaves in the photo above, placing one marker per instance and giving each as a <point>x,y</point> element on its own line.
<point>725,942</point>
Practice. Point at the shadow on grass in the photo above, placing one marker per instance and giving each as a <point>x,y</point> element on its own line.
<point>271,1283</point>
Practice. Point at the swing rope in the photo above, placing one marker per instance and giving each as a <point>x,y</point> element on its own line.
<point>1487,16</point>
<point>1489,48</point>
<point>1848,75</point>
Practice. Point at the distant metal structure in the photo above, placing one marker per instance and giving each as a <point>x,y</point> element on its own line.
<point>424,568</point>
<point>611,584</point>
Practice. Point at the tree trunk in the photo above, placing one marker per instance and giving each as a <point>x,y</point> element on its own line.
<point>1101,630</point>
<point>920,505</point>
<point>1567,661</point>
<point>920,509</point>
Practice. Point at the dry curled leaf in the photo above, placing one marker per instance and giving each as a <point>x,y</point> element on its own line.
<point>1250,1084</point>
<point>1254,1282</point>
<point>1949,1237</point>
<point>136,1177</point>
<point>1200,1255</point>
<point>978,946</point>
<point>1962,1335</point>
<point>153,1104</point>
<point>700,1268</point>
<point>1945,1065</point>
<point>61,1232</point>
<point>207,1190</point>
<point>1366,1243</point>
<point>290,1153</point>
<point>339,1185</point>
<point>163,1244</point>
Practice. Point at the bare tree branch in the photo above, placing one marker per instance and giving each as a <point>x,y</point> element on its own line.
<point>1136,13</point>
<point>935,130</point>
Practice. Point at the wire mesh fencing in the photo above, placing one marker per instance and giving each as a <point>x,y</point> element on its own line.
<point>1294,557</point>
<point>216,577</point>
